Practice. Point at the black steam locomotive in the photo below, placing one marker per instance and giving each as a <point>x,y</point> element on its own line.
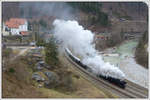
<point>115,81</point>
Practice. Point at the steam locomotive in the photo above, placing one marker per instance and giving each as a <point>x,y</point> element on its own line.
<point>115,81</point>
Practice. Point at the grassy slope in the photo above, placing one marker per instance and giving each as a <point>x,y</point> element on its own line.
<point>84,88</point>
<point>20,85</point>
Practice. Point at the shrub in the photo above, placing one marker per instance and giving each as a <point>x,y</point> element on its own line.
<point>11,70</point>
<point>40,42</point>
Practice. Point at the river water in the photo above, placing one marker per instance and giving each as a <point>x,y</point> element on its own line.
<point>126,62</point>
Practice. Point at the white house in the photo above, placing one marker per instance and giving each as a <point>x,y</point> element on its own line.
<point>23,27</point>
<point>16,26</point>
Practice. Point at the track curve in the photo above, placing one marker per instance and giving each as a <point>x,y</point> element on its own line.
<point>132,90</point>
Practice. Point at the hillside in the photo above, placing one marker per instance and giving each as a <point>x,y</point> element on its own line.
<point>18,83</point>
<point>112,24</point>
<point>142,50</point>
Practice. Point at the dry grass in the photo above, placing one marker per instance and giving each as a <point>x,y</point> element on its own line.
<point>16,51</point>
<point>19,84</point>
<point>50,93</point>
<point>84,89</point>
<point>13,88</point>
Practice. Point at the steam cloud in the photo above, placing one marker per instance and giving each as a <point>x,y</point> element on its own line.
<point>80,40</point>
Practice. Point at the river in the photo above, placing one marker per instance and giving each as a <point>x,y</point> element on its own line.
<point>123,57</point>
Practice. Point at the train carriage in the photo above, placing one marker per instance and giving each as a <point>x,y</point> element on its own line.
<point>117,82</point>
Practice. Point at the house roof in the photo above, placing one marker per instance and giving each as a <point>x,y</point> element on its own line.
<point>15,22</point>
<point>24,33</point>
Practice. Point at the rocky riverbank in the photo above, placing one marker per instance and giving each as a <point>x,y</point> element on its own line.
<point>126,62</point>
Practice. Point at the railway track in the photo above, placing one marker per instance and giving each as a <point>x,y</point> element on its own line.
<point>132,90</point>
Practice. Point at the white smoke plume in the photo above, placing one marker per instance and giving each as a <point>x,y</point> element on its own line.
<point>80,40</point>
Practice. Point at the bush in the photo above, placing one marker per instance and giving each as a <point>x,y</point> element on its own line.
<point>11,70</point>
<point>40,42</point>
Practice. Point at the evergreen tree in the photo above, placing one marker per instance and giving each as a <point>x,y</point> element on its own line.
<point>51,53</point>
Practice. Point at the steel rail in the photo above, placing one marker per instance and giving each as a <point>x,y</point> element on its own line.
<point>96,82</point>
<point>130,91</point>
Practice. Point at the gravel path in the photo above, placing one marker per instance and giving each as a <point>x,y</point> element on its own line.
<point>21,52</point>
